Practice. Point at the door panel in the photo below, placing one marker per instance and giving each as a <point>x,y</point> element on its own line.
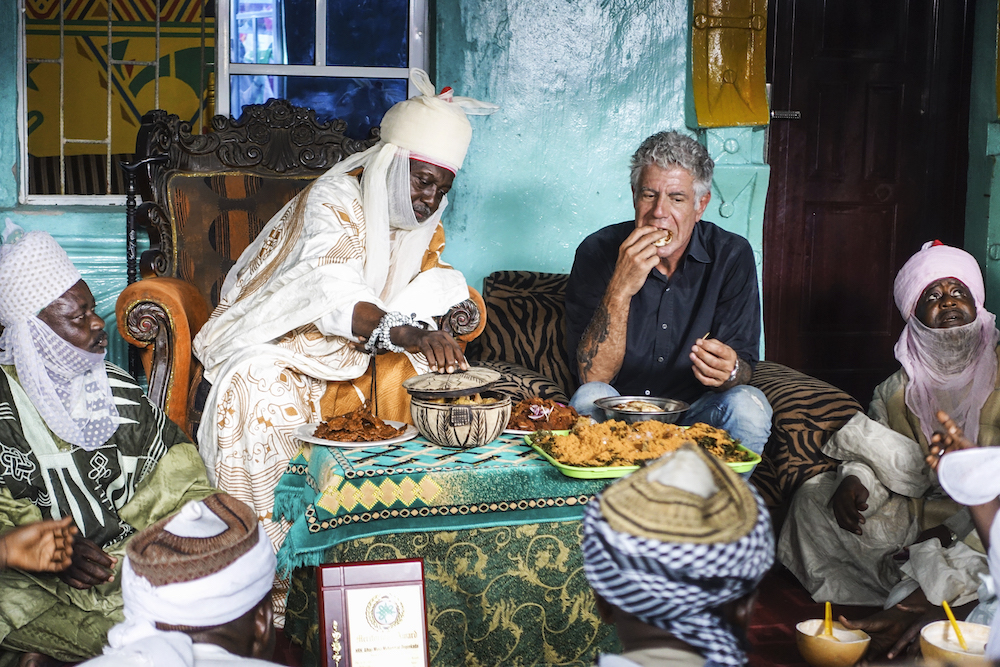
<point>874,168</point>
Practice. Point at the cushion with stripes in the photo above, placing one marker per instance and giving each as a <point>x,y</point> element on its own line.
<point>807,411</point>
<point>525,324</point>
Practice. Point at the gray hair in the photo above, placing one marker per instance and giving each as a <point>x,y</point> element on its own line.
<point>673,149</point>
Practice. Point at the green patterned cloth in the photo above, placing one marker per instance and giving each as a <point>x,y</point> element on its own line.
<point>497,527</point>
<point>146,471</point>
<point>504,595</point>
<point>334,494</point>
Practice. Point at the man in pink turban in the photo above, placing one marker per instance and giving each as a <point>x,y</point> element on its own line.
<point>877,531</point>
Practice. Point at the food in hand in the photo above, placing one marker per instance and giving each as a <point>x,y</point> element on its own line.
<point>541,414</point>
<point>357,426</point>
<point>616,443</point>
<point>660,242</point>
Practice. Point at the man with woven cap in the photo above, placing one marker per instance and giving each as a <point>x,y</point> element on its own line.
<point>349,268</point>
<point>674,553</point>
<point>79,439</point>
<point>197,589</point>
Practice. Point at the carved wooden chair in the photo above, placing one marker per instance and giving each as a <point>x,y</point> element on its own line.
<point>204,198</point>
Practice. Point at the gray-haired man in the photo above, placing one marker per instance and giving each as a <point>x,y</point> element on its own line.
<point>644,295</point>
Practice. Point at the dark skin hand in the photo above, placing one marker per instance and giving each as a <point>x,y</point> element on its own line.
<point>951,440</point>
<point>90,567</point>
<point>848,502</point>
<point>894,632</point>
<point>441,349</point>
<point>44,546</point>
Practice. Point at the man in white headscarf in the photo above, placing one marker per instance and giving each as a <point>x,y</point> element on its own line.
<point>79,440</point>
<point>197,589</point>
<point>878,531</point>
<point>349,268</point>
<point>674,553</point>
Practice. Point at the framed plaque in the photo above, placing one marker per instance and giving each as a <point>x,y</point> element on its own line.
<point>373,614</point>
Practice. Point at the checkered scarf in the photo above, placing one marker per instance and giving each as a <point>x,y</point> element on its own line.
<point>679,586</point>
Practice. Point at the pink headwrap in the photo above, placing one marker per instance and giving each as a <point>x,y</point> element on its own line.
<point>953,369</point>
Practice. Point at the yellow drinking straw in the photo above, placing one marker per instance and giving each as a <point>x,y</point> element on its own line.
<point>828,620</point>
<point>954,624</point>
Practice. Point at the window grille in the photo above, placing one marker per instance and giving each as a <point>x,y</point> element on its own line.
<point>88,72</point>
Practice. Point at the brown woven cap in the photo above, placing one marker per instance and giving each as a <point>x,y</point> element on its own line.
<point>639,506</point>
<point>164,558</point>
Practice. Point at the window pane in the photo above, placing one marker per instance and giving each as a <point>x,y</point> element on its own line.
<point>300,31</point>
<point>257,32</point>
<point>359,102</point>
<point>367,33</point>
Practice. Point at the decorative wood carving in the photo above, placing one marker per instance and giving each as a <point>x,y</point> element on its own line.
<point>461,319</point>
<point>728,61</point>
<point>271,139</point>
<point>148,322</point>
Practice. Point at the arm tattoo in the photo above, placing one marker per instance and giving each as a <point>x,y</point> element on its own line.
<point>596,333</point>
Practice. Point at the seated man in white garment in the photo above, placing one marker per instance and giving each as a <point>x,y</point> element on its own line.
<point>197,590</point>
<point>79,439</point>
<point>879,531</point>
<point>343,283</point>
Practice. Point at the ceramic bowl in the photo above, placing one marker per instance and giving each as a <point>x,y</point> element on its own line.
<point>824,652</point>
<point>938,642</point>
<point>670,410</point>
<point>463,426</point>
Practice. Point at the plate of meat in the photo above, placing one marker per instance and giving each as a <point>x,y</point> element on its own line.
<point>540,414</point>
<point>356,429</point>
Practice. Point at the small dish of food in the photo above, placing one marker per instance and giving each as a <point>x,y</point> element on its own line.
<point>359,428</point>
<point>540,414</point>
<point>632,409</point>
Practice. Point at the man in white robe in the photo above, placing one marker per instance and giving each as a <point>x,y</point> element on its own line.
<point>349,268</point>
<point>878,531</point>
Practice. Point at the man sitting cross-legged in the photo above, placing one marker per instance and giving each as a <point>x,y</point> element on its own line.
<point>78,438</point>
<point>878,531</point>
<point>197,589</point>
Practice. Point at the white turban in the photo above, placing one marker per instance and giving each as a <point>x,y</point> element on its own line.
<point>207,565</point>
<point>68,386</point>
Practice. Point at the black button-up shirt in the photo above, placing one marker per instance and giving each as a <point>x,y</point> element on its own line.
<point>713,290</point>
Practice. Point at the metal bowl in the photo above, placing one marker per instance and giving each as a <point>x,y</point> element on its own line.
<point>671,410</point>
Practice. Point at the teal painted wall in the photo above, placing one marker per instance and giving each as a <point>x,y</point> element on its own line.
<point>93,236</point>
<point>580,84</point>
<point>982,219</point>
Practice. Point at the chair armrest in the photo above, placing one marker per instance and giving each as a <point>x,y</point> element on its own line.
<point>161,316</point>
<point>467,319</point>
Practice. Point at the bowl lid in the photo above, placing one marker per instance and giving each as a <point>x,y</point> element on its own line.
<point>451,385</point>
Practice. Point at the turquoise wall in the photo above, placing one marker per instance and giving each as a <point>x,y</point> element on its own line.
<point>982,215</point>
<point>94,236</point>
<point>580,84</point>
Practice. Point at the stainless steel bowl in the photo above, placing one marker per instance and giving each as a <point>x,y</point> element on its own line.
<point>671,410</point>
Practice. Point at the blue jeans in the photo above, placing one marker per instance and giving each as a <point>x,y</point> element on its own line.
<point>742,411</point>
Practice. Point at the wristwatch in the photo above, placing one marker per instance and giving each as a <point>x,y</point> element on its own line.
<point>736,370</point>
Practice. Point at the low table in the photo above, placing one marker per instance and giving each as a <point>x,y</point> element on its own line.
<point>498,529</point>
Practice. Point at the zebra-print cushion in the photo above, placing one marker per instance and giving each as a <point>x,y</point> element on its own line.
<point>524,324</point>
<point>807,411</point>
<point>520,383</point>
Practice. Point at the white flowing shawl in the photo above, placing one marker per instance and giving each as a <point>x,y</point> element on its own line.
<point>953,369</point>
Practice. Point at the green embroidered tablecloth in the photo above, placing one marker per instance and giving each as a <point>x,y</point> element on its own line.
<point>498,529</point>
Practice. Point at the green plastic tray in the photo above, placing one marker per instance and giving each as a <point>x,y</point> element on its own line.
<point>581,472</point>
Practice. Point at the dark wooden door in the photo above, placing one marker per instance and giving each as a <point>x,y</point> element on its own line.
<point>875,166</point>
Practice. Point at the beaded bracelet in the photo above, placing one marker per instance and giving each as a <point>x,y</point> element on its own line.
<point>379,340</point>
